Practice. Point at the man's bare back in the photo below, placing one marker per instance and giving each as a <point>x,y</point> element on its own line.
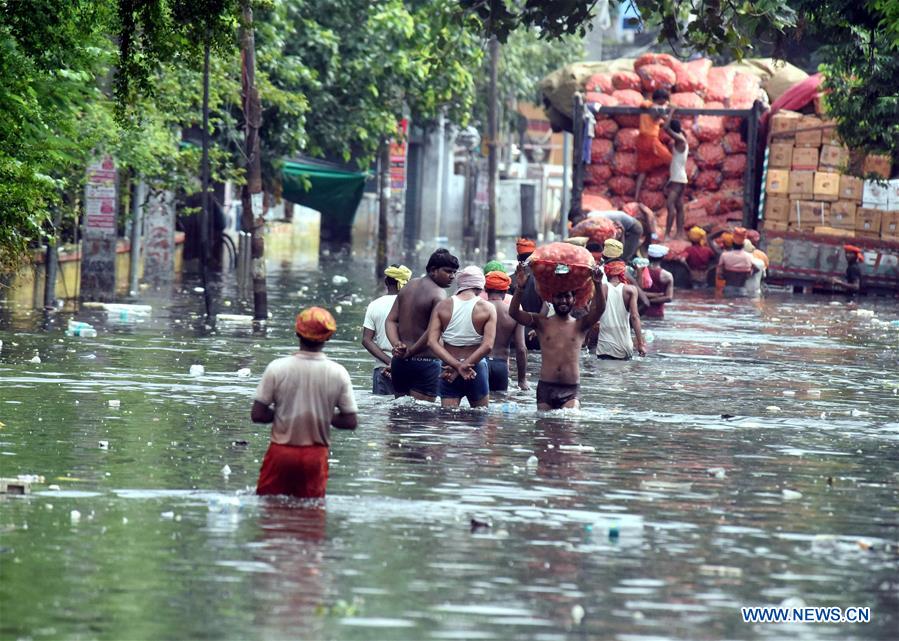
<point>414,305</point>
<point>505,329</point>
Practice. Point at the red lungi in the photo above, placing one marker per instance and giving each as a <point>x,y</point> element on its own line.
<point>651,153</point>
<point>300,471</point>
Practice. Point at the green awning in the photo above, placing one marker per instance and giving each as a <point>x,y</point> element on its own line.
<point>332,191</point>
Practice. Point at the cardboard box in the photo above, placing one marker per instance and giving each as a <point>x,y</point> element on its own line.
<point>829,135</point>
<point>851,188</point>
<point>834,231</point>
<point>867,222</point>
<point>827,186</point>
<point>802,185</point>
<point>776,225</point>
<point>833,157</point>
<point>880,165</point>
<point>842,214</point>
<point>893,195</point>
<point>780,155</point>
<point>805,215</point>
<point>875,195</point>
<point>777,208</point>
<point>804,159</point>
<point>808,132</point>
<point>778,181</point>
<point>783,124</point>
<point>889,225</point>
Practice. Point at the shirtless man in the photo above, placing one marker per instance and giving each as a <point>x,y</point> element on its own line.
<point>415,370</point>
<point>461,334</point>
<point>561,338</point>
<point>620,314</point>
<point>508,331</point>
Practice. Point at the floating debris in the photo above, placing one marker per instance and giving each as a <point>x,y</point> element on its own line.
<point>790,495</point>
<point>577,614</point>
<point>197,370</point>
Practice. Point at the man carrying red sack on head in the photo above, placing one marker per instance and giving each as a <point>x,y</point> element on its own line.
<point>298,395</point>
<point>651,152</point>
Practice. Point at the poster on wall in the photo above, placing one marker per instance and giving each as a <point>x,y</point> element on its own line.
<point>98,249</point>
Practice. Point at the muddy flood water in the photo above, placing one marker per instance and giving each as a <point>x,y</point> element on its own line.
<point>751,459</point>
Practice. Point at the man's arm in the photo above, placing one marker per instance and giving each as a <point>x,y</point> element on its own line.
<point>392,329</point>
<point>844,284</point>
<point>344,421</point>
<point>597,307</point>
<point>261,413</point>
<point>345,418</point>
<point>635,322</point>
<point>515,311</point>
<point>521,357</point>
<point>368,342</point>
<point>663,297</point>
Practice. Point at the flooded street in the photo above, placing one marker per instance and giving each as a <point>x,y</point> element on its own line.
<point>751,459</point>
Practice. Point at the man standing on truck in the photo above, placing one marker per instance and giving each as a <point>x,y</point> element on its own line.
<point>651,152</point>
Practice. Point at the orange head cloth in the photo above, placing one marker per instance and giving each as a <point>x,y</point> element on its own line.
<point>615,268</point>
<point>498,281</point>
<point>852,249</point>
<point>739,235</point>
<point>316,324</point>
<point>727,240</point>
<point>525,246</point>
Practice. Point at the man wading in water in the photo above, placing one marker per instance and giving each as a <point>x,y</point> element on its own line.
<point>461,333</point>
<point>508,332</point>
<point>561,338</point>
<point>414,368</point>
<point>614,341</point>
<point>304,390</point>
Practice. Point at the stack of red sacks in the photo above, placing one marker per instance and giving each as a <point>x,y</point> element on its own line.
<point>717,157</point>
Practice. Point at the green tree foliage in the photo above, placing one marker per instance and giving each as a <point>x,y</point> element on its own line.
<point>524,60</point>
<point>862,44</point>
<point>711,26</point>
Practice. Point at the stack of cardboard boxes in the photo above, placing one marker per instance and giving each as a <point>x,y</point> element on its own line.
<point>806,189</point>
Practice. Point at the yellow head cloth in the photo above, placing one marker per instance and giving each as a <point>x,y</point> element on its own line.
<point>696,234</point>
<point>400,274</point>
<point>612,248</point>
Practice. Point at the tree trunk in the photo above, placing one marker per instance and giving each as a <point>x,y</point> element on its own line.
<point>252,220</point>
<point>383,207</point>
<point>492,161</point>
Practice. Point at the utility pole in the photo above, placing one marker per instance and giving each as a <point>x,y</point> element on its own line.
<point>492,160</point>
<point>205,225</point>
<point>252,220</point>
<point>383,207</point>
<point>51,262</point>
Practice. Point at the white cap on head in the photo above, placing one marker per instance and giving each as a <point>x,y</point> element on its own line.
<point>657,251</point>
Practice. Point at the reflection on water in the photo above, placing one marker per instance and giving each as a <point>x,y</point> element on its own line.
<point>751,459</point>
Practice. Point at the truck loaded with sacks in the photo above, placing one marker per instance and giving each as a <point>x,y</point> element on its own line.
<point>719,153</point>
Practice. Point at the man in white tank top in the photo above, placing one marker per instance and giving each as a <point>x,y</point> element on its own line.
<point>461,333</point>
<point>621,313</point>
<point>677,178</point>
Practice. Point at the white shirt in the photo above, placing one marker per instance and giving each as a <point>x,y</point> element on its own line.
<point>376,320</point>
<point>305,388</point>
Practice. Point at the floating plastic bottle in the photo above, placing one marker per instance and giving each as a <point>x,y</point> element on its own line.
<point>81,329</point>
